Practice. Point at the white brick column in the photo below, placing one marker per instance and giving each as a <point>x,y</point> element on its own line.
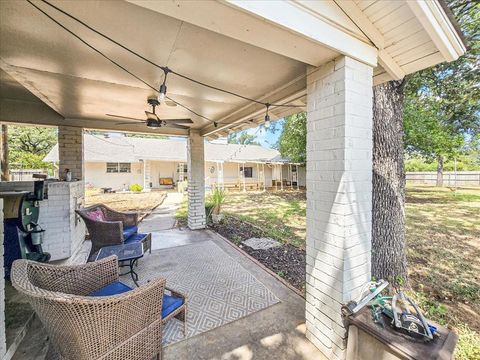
<point>339,196</point>
<point>70,151</point>
<point>196,181</point>
<point>3,344</point>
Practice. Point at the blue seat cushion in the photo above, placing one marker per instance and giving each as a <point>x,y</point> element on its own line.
<point>135,238</point>
<point>170,304</point>
<point>129,231</point>
<point>114,288</point>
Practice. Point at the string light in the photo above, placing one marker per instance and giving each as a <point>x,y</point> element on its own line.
<point>267,117</point>
<point>163,87</point>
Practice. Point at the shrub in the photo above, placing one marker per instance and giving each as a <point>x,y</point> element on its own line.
<point>136,188</point>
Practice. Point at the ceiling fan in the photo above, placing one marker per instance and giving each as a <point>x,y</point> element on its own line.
<point>153,121</point>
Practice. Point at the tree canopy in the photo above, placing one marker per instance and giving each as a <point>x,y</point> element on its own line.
<point>28,145</point>
<point>442,103</point>
<point>242,138</point>
<point>293,139</point>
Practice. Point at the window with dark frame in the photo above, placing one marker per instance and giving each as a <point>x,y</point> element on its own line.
<point>125,167</point>
<point>247,171</point>
<point>113,167</point>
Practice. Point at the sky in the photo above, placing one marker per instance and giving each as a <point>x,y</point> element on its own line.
<point>267,139</point>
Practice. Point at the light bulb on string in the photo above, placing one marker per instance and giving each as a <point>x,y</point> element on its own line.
<point>267,117</point>
<point>163,87</point>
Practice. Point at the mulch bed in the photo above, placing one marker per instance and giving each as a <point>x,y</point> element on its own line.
<point>286,260</point>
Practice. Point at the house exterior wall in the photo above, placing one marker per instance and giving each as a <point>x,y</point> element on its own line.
<point>96,175</point>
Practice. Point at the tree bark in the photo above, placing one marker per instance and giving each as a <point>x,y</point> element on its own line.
<point>5,173</point>
<point>388,201</point>
<point>440,171</point>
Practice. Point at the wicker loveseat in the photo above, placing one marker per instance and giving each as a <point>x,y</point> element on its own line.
<point>88,314</point>
<point>109,227</point>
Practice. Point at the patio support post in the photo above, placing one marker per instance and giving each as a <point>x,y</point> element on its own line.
<point>196,180</point>
<point>243,178</point>
<point>70,151</point>
<point>339,196</point>
<point>3,344</point>
<point>263,172</point>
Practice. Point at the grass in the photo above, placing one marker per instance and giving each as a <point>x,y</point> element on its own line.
<point>280,214</point>
<point>137,202</point>
<point>443,248</point>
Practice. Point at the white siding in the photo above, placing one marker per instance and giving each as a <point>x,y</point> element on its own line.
<point>96,175</point>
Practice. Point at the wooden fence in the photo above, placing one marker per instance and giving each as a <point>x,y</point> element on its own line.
<point>450,178</point>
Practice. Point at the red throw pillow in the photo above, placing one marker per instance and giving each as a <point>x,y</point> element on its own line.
<point>96,215</point>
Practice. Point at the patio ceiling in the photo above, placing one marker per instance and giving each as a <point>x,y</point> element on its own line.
<point>81,86</point>
<point>251,48</point>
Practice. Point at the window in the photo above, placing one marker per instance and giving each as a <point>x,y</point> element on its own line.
<point>118,167</point>
<point>112,167</point>
<point>124,167</point>
<point>247,171</point>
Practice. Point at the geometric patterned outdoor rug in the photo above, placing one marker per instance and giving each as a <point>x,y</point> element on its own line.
<point>219,289</point>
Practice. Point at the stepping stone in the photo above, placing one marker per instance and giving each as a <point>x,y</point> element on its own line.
<point>261,243</point>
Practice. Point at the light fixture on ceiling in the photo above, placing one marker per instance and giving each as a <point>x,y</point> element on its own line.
<point>163,87</point>
<point>267,117</point>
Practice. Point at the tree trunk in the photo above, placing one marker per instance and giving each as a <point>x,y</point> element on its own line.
<point>440,171</point>
<point>5,176</point>
<point>388,202</point>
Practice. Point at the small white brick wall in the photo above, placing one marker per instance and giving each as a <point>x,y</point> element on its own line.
<point>64,231</point>
<point>196,181</point>
<point>3,344</point>
<point>339,196</point>
<point>70,151</point>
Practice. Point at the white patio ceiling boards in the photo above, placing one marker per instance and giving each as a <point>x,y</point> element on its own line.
<point>258,49</point>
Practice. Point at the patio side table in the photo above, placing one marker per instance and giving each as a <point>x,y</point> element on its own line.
<point>125,252</point>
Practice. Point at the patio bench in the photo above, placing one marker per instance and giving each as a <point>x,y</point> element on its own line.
<point>109,227</point>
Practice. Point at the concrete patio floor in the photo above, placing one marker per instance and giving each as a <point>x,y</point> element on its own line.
<point>276,332</point>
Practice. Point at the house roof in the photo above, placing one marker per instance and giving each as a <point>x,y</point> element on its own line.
<point>132,149</point>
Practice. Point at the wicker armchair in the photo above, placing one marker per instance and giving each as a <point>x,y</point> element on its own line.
<point>82,327</point>
<point>113,228</point>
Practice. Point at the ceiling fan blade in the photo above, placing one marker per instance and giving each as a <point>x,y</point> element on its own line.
<point>175,126</point>
<point>124,117</point>
<point>151,116</point>
<point>170,103</point>
<point>178,121</point>
<point>131,123</point>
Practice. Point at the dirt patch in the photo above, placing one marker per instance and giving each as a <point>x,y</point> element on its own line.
<point>286,261</point>
<point>141,203</point>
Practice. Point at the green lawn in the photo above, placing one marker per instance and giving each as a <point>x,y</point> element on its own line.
<point>443,248</point>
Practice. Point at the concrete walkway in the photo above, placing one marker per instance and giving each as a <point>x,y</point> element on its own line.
<point>163,217</point>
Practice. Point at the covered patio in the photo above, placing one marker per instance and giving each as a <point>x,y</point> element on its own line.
<point>255,317</point>
<point>230,66</point>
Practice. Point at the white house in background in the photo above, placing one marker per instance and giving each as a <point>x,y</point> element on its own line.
<point>118,162</point>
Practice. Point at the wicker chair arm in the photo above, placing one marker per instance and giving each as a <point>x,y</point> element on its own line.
<point>177,294</point>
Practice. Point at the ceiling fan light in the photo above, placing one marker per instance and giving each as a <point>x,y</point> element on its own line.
<point>153,124</point>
